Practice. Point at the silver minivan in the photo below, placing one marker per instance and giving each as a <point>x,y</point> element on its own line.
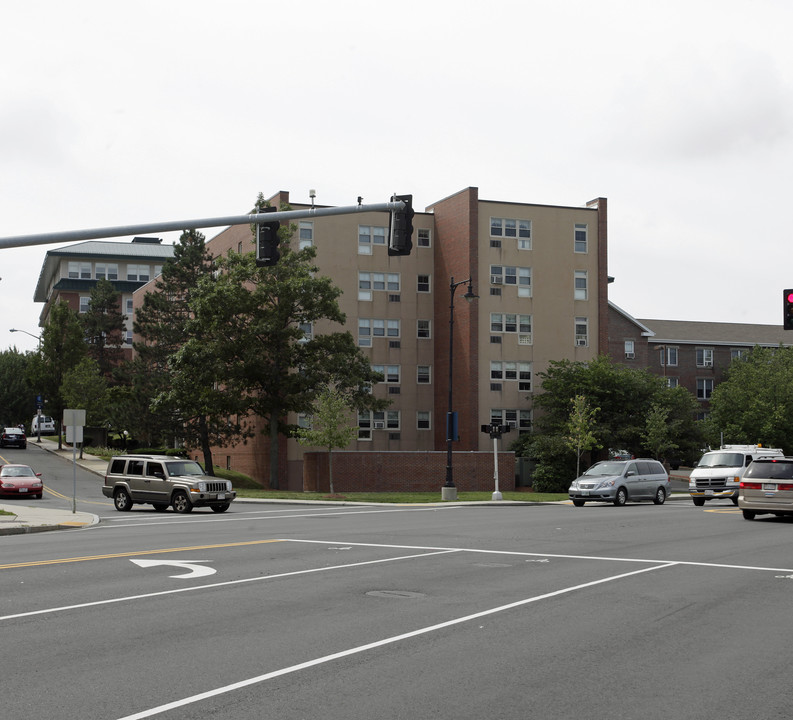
<point>620,481</point>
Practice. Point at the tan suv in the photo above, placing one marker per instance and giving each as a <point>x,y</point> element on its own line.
<point>162,480</point>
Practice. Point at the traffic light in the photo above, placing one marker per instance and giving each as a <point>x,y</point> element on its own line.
<point>400,237</point>
<point>787,317</point>
<point>267,241</point>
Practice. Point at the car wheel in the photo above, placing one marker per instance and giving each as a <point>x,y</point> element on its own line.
<point>160,507</point>
<point>621,497</point>
<point>579,503</point>
<point>748,514</point>
<point>699,502</point>
<point>25,447</point>
<point>734,501</point>
<point>660,496</point>
<point>181,503</point>
<point>122,500</point>
<point>38,497</point>
<point>225,506</point>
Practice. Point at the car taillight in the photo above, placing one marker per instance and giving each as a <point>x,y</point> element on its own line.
<point>785,486</point>
<point>751,485</point>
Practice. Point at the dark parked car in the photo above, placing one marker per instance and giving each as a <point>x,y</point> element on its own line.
<point>13,437</point>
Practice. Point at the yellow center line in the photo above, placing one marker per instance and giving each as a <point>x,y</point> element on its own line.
<point>130,554</point>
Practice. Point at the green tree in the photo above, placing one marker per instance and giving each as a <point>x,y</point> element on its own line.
<point>103,326</point>
<point>254,322</point>
<point>580,436</point>
<point>17,398</point>
<point>169,386</point>
<point>658,433</point>
<point>754,404</point>
<point>330,426</point>
<point>84,387</point>
<point>62,348</point>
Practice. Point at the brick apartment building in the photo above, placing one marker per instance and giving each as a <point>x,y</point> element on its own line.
<point>540,275</point>
<point>70,273</point>
<point>694,355</point>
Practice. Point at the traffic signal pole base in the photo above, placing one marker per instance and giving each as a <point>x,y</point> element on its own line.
<point>497,496</point>
<point>448,493</point>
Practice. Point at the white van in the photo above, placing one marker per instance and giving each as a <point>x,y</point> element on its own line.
<point>718,474</point>
<point>47,425</point>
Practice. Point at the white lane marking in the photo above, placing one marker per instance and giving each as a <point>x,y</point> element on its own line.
<point>227,583</point>
<point>379,643</point>
<point>194,569</point>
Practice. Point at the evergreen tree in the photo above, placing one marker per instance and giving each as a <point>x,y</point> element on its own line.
<point>62,348</point>
<point>103,326</point>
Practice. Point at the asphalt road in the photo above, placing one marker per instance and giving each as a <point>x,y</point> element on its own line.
<point>294,611</point>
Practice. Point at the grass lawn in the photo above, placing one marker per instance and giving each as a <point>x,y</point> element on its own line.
<point>404,498</point>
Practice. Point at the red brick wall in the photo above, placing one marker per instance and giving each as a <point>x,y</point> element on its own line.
<point>456,255</point>
<point>406,471</point>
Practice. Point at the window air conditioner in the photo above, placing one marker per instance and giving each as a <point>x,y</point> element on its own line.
<point>379,425</point>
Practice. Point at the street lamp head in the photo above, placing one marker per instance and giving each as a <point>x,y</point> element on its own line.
<point>469,293</point>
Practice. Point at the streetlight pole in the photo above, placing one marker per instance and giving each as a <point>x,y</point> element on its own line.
<point>449,491</point>
<point>38,409</point>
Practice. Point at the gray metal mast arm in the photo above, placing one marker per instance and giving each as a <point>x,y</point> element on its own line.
<point>158,227</point>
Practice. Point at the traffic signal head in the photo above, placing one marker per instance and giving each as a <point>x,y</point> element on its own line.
<point>267,241</point>
<point>400,239</point>
<point>787,311</point>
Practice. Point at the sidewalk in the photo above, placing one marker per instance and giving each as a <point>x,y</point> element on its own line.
<point>28,518</point>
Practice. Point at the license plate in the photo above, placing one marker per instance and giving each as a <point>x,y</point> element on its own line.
<point>708,492</point>
<point>585,492</point>
<point>221,496</point>
<point>23,489</point>
<point>769,486</point>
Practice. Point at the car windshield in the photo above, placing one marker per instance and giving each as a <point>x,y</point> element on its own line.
<point>184,467</point>
<point>16,471</point>
<point>774,470</point>
<point>606,468</point>
<point>721,459</point>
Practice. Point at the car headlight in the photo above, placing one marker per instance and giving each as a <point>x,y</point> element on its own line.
<point>228,485</point>
<point>202,486</point>
<point>607,483</point>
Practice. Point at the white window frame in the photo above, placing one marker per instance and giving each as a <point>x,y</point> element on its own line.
<point>423,237</point>
<point>581,283</point>
<point>424,374</point>
<point>428,334</point>
<point>305,234</point>
<point>581,238</point>
<point>581,332</point>
<point>423,416</point>
<point>704,357</point>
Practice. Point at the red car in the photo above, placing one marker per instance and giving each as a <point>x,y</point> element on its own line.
<point>20,480</point>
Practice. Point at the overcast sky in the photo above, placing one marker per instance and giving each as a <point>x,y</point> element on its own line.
<point>680,113</point>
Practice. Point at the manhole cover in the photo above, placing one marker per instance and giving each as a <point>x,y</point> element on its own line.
<point>404,594</point>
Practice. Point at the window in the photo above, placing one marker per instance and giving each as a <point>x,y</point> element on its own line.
<point>85,303</point>
<point>138,272</point>
<point>365,425</point>
<point>738,353</point>
<point>510,323</point>
<point>524,282</point>
<point>81,270</point>
<point>423,329</point>
<point>423,374</point>
<point>423,283</point>
<point>129,306</point>
<point>422,420</point>
<point>580,237</point>
<point>369,236</point>
<point>375,327</point>
<point>364,286</point>
<point>704,388</point>
<point>672,382</point>
<point>304,421</point>
<point>496,227</point>
<point>308,331</point>
<point>524,376</point>
<point>704,357</point>
<point>306,234</point>
<point>390,373</point>
<point>384,420</point>
<point>423,237</point>
<point>580,284</point>
<point>669,356</point>
<point>496,372</point>
<point>524,234</point>
<point>630,352</point>
<point>508,275</point>
<point>520,419</point>
<point>581,331</point>
<point>364,332</point>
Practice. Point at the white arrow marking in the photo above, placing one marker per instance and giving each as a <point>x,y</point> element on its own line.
<point>195,570</point>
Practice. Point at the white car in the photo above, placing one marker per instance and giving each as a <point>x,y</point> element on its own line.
<point>47,425</point>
